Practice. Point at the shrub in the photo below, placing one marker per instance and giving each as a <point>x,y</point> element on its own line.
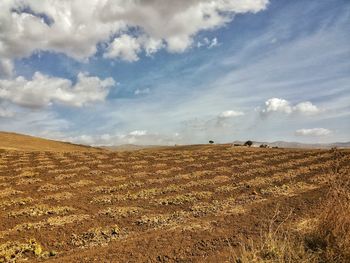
<point>248,143</point>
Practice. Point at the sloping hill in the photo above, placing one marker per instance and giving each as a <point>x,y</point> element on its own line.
<point>14,141</point>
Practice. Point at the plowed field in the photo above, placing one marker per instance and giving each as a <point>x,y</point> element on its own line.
<point>184,204</point>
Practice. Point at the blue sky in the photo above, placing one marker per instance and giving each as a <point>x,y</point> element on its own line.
<point>265,70</point>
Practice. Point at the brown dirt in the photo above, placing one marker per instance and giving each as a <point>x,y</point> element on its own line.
<point>182,204</point>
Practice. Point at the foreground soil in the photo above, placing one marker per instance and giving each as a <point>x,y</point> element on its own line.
<point>184,204</point>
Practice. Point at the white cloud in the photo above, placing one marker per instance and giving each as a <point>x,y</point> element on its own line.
<point>151,45</point>
<point>6,68</point>
<point>214,43</point>
<point>127,48</point>
<point>313,132</point>
<point>284,106</point>
<point>75,27</point>
<point>43,90</point>
<point>138,133</point>
<point>208,43</point>
<point>306,108</point>
<point>124,47</point>
<point>142,91</point>
<point>277,105</point>
<point>230,113</point>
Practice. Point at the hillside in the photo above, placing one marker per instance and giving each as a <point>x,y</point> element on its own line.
<point>14,141</point>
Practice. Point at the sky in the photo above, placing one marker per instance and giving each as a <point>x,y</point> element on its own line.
<point>110,72</point>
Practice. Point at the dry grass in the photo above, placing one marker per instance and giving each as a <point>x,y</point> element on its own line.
<point>331,236</point>
<point>274,247</point>
<point>327,240</point>
<point>276,244</point>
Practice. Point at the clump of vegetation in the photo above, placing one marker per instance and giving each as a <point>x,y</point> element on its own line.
<point>13,251</point>
<point>161,220</point>
<point>22,201</point>
<point>264,146</point>
<point>120,212</point>
<point>51,187</point>
<point>40,210</point>
<point>96,236</point>
<point>273,246</point>
<point>59,196</point>
<point>177,199</point>
<point>81,183</point>
<point>63,220</point>
<point>9,192</point>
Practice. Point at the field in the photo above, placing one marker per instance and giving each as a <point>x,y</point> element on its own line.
<point>182,204</point>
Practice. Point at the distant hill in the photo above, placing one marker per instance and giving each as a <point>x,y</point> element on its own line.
<point>14,141</point>
<point>283,144</point>
<point>280,144</point>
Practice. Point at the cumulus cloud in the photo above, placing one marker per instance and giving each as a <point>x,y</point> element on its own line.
<point>277,105</point>
<point>127,48</point>
<point>75,27</point>
<point>313,132</point>
<point>306,108</point>
<point>42,90</point>
<point>284,106</point>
